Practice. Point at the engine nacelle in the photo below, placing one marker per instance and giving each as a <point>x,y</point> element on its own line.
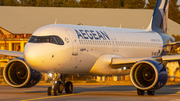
<point>149,75</point>
<point>18,74</point>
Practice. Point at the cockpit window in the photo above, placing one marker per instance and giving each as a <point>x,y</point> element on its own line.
<point>43,40</point>
<point>33,39</point>
<point>46,39</point>
<point>53,40</point>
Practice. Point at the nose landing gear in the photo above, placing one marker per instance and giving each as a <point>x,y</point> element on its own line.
<point>58,86</point>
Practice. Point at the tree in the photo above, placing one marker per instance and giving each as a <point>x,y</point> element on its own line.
<point>34,2</point>
<point>176,37</point>
<point>1,2</point>
<point>44,3</point>
<point>137,4</point>
<point>89,3</point>
<point>8,2</point>
<point>24,2</point>
<point>16,3</point>
<point>103,3</point>
<point>122,3</point>
<point>174,11</point>
<point>140,4</point>
<point>70,3</point>
<point>113,3</point>
<point>151,4</point>
<point>57,3</point>
<point>127,4</point>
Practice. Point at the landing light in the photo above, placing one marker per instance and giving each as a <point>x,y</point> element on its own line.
<point>50,74</point>
<point>124,68</point>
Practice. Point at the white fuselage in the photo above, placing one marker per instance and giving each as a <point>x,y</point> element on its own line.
<point>83,45</point>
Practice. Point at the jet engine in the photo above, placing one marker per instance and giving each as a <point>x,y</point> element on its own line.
<point>149,75</point>
<point>19,75</point>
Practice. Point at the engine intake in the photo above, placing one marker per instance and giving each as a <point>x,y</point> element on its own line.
<point>149,75</point>
<point>18,74</point>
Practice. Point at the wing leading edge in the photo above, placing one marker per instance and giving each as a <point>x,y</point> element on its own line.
<point>11,53</point>
<point>117,63</point>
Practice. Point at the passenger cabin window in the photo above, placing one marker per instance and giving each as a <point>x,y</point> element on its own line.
<point>46,39</point>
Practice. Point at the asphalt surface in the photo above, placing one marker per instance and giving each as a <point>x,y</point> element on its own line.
<point>89,93</point>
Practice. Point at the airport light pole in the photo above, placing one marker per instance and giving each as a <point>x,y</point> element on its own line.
<point>25,30</point>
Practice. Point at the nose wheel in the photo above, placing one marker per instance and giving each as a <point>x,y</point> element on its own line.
<point>58,86</point>
<point>49,90</point>
<point>69,87</point>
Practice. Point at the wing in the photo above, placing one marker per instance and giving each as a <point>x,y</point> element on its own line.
<point>11,53</point>
<point>172,43</point>
<point>117,63</point>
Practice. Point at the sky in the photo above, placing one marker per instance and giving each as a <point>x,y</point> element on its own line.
<point>178,2</point>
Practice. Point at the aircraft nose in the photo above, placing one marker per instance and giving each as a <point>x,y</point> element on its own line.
<point>32,56</point>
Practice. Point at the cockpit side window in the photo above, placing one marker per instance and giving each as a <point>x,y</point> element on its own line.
<point>60,41</point>
<point>46,39</point>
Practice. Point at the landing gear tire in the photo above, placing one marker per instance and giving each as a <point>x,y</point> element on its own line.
<point>49,91</point>
<point>140,92</point>
<point>55,89</point>
<point>60,86</point>
<point>69,87</point>
<point>151,93</point>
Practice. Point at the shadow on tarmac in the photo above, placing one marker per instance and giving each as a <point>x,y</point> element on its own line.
<point>166,90</point>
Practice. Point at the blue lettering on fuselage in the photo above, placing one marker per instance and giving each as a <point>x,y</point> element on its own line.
<point>92,34</point>
<point>79,34</point>
<point>89,34</point>
<point>84,34</point>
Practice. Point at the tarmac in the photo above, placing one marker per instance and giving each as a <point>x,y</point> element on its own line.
<point>89,92</point>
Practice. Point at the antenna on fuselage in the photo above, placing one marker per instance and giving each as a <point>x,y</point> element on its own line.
<point>120,25</point>
<point>55,22</point>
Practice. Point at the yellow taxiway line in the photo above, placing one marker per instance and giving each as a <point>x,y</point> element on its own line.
<point>59,96</point>
<point>178,92</point>
<point>48,97</point>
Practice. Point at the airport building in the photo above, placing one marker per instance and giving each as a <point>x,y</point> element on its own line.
<point>18,20</point>
<point>18,23</point>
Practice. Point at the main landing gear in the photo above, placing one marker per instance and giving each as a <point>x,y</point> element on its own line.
<point>58,86</point>
<point>141,92</point>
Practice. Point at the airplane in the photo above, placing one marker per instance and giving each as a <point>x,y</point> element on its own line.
<point>61,49</point>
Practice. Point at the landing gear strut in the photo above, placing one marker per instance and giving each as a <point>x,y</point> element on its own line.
<point>58,86</point>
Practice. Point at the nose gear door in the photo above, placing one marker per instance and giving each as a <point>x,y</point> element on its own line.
<point>74,42</point>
